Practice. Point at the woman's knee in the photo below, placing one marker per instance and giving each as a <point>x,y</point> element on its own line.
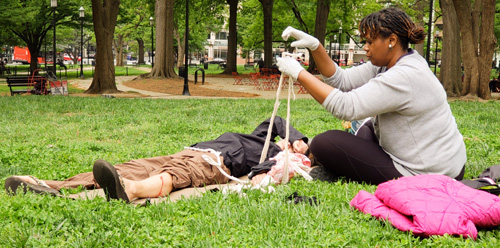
<point>322,144</point>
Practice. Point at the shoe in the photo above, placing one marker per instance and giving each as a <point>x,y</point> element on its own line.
<point>322,174</point>
<point>296,199</point>
<point>12,184</point>
<point>108,178</point>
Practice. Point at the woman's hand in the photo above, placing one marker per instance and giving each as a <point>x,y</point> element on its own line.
<point>289,66</point>
<point>299,146</point>
<point>303,40</point>
<point>284,145</point>
<point>258,178</point>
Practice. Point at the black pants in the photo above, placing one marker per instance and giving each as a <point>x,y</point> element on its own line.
<point>357,157</point>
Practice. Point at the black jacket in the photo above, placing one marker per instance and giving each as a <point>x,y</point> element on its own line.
<point>242,152</point>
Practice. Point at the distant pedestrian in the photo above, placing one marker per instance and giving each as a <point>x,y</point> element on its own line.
<point>61,64</point>
<point>3,68</point>
<point>261,64</point>
<point>495,84</point>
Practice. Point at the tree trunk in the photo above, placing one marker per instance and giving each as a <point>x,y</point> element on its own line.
<point>119,50</point>
<point>487,43</point>
<point>180,49</point>
<point>478,53</point>
<point>419,21</point>
<point>34,50</point>
<point>451,73</point>
<point>267,6</point>
<point>74,54</point>
<point>322,12</point>
<point>169,43</point>
<point>164,44</point>
<point>104,13</point>
<point>232,39</point>
<point>140,59</point>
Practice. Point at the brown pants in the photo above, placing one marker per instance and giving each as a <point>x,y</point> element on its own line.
<point>187,168</point>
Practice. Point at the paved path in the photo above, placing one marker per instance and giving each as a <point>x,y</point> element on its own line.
<point>212,82</point>
<point>85,84</point>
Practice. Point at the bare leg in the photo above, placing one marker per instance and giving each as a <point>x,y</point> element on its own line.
<point>28,183</point>
<point>33,180</point>
<point>155,186</point>
<point>27,179</point>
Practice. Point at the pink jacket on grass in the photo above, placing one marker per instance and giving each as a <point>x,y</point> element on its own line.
<point>431,205</point>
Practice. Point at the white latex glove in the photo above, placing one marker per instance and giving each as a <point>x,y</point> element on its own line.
<point>289,66</point>
<point>303,40</point>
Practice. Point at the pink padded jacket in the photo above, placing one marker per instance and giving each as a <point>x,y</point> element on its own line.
<point>431,205</point>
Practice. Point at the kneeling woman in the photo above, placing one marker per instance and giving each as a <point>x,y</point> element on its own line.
<point>412,128</point>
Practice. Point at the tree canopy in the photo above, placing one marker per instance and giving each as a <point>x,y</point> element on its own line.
<point>31,20</point>
<point>27,23</point>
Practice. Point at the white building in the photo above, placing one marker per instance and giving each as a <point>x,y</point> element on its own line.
<point>217,45</point>
<point>217,49</point>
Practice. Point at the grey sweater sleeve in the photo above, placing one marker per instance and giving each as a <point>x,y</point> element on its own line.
<point>362,92</point>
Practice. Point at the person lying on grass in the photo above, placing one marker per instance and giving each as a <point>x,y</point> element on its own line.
<point>158,176</point>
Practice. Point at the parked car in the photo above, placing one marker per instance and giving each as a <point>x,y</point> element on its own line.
<point>131,62</point>
<point>217,61</point>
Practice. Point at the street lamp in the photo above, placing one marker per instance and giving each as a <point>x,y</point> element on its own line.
<point>330,52</point>
<point>53,4</point>
<point>335,38</point>
<point>151,23</point>
<point>340,35</point>
<point>45,52</point>
<point>436,37</point>
<point>186,52</point>
<point>82,14</point>
<point>429,30</point>
<point>88,48</point>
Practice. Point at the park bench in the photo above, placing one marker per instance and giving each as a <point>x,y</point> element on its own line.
<point>193,66</point>
<point>24,84</point>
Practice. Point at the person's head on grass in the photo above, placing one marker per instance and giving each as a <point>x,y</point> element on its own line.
<point>298,146</point>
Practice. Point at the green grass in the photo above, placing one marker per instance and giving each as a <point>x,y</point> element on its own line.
<point>57,137</point>
<point>4,89</point>
<point>74,71</point>
<point>214,69</point>
<point>88,72</point>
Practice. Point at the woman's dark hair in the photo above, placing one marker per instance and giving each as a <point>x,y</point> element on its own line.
<point>392,21</point>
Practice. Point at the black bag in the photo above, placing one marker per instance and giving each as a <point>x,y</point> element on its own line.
<point>487,180</point>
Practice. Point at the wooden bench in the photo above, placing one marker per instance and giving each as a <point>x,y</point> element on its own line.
<point>34,85</point>
<point>193,66</point>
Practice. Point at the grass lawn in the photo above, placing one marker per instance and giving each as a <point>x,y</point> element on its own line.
<point>214,69</point>
<point>56,137</point>
<point>74,71</point>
